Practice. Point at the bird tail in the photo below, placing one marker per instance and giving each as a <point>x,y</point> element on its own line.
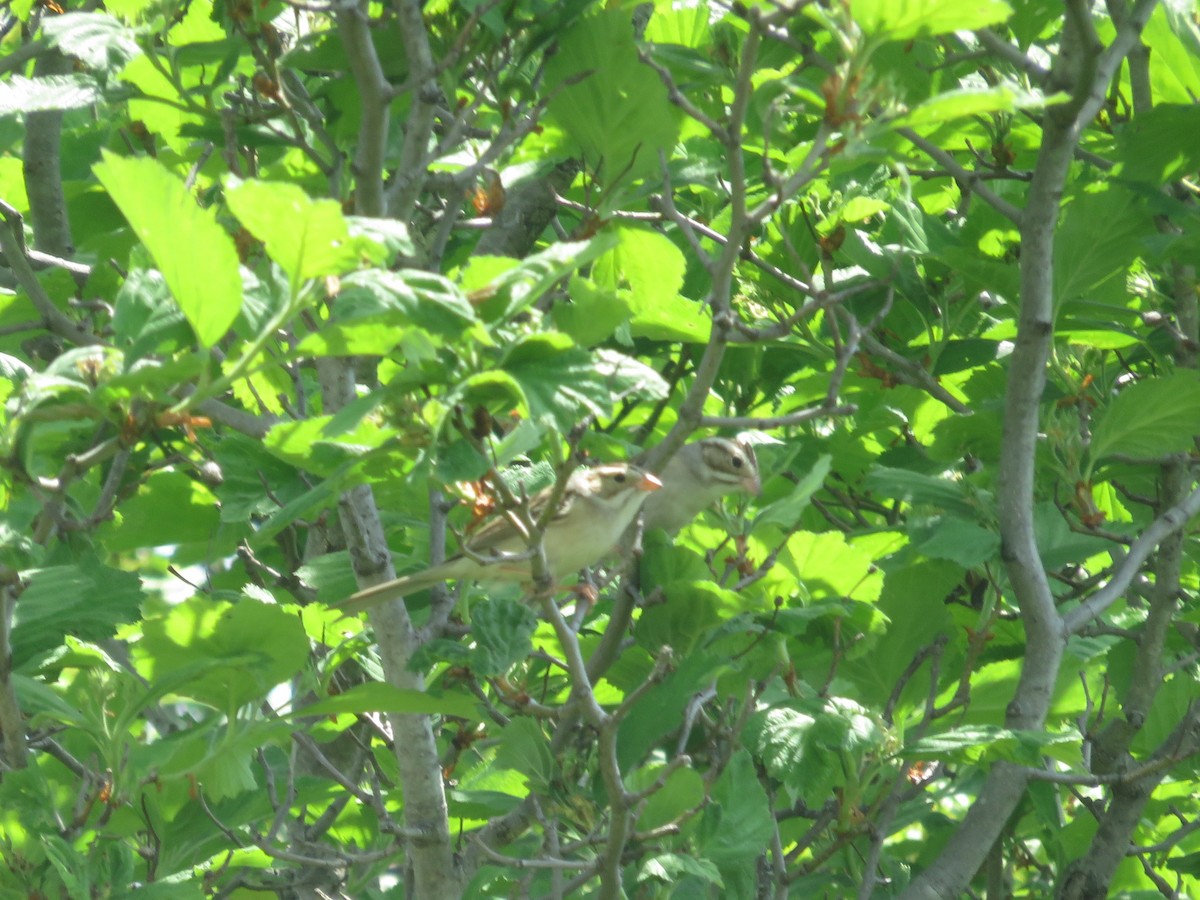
<point>385,592</point>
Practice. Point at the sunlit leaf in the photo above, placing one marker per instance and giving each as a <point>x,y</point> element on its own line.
<point>1149,418</point>
<point>903,20</point>
<point>951,105</point>
<point>195,255</point>
<point>231,654</point>
<point>613,107</point>
<point>306,237</point>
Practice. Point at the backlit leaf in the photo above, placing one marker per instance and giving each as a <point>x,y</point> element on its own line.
<point>195,255</point>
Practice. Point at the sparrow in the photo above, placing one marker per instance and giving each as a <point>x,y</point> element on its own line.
<point>598,504</point>
<point>699,475</point>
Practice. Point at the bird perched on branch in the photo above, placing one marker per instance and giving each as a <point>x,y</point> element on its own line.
<point>699,475</point>
<point>597,505</point>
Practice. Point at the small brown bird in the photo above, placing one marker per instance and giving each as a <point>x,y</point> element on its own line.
<point>597,506</point>
<point>699,475</point>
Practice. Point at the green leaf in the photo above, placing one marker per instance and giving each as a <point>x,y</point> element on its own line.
<point>691,611</point>
<point>924,491</point>
<point>658,714</point>
<point>169,508</point>
<point>217,758</point>
<point>1091,264</point>
<point>315,446</point>
<point>670,867</point>
<point>307,238</point>
<point>805,743</point>
<point>683,790</point>
<point>652,268</point>
<point>1149,418</point>
<point>1172,704</point>
<point>592,314</point>
<point>777,737</point>
<point>390,301</point>
<point>1170,36</point>
<point>195,255</point>
<point>524,748</point>
<point>672,319</point>
<point>566,382</point>
<point>72,867</point>
<point>18,549</point>
<point>225,655</point>
<point>380,697</point>
<point>229,768</point>
<point>324,51</point>
<point>366,336</point>
<point>506,287</point>
<point>786,512</point>
<point>903,20</point>
<point>956,539</point>
<point>1058,543</point>
<point>87,600</point>
<point>648,262</point>
<point>1113,337</point>
<point>19,94</point>
<point>845,725</point>
<point>613,107</point>
<point>503,631</point>
<point>972,743</point>
<point>737,825</point>
<point>254,482</point>
<point>146,317</point>
<point>39,699</point>
<point>859,209</point>
<point>266,299</point>
<point>321,496</point>
<point>958,355</point>
<point>390,236</point>
<point>1188,864</point>
<point>1150,145</point>
<point>830,565</point>
<point>977,435</point>
<point>97,39</point>
<point>494,390</point>
<point>960,104</point>
<point>685,26</point>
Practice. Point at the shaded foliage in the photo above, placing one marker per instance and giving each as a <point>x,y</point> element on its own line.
<point>282,282</point>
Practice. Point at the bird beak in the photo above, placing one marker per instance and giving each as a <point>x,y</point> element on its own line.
<point>752,484</point>
<point>649,483</point>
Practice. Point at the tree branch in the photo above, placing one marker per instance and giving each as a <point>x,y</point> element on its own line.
<point>1167,524</point>
<point>13,244</point>
<point>409,177</point>
<point>968,847</point>
<point>425,811</point>
<point>968,181</point>
<point>41,161</point>
<point>376,95</point>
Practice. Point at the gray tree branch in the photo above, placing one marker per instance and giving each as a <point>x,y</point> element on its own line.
<point>409,178</point>
<point>41,159</point>
<point>425,813</point>
<point>355,31</point>
<point>1087,70</point>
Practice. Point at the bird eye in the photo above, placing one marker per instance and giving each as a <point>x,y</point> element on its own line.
<point>619,478</point>
<point>736,462</point>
